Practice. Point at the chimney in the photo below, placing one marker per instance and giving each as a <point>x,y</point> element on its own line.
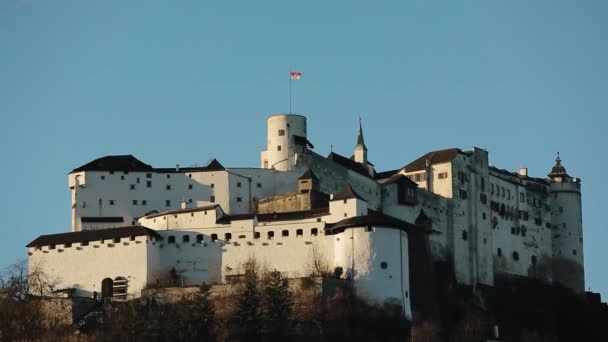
<point>177,168</point>
<point>523,171</point>
<point>184,205</point>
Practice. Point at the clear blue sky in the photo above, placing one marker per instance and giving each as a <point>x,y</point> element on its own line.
<point>181,82</point>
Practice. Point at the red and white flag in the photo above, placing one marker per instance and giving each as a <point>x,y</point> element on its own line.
<point>295,75</point>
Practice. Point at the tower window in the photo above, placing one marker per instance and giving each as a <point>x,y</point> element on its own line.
<point>278,149</point>
<point>515,256</point>
<point>281,132</point>
<point>574,252</point>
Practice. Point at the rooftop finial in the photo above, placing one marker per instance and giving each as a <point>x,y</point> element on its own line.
<point>558,160</point>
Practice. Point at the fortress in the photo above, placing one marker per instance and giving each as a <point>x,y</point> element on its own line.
<point>132,223</point>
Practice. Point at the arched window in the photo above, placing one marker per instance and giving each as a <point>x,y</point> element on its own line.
<point>299,232</point>
<point>107,286</point>
<point>270,235</point>
<point>227,237</point>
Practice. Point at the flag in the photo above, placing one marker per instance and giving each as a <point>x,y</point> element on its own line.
<point>295,75</point>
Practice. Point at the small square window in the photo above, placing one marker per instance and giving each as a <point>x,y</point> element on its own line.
<point>171,239</point>
<point>122,177</point>
<point>132,186</point>
<point>149,184</point>
<point>148,175</point>
<point>238,184</point>
<point>278,147</point>
<point>144,202</point>
<point>212,185</point>
<point>168,176</point>
<point>167,203</point>
<point>111,202</point>
<point>190,186</point>
<point>212,199</point>
<point>239,199</point>
<point>259,185</point>
<point>186,238</point>
<point>281,132</point>
<point>134,202</point>
<point>103,177</point>
<point>168,187</point>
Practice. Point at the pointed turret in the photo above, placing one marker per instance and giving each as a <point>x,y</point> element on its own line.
<point>360,154</point>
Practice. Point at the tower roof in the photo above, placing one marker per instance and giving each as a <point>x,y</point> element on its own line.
<point>558,169</point>
<point>360,140</point>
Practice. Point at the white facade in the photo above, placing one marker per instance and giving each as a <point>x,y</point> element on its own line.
<point>483,222</point>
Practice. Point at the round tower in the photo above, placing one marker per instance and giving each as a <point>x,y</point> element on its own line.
<point>567,223</point>
<point>286,136</point>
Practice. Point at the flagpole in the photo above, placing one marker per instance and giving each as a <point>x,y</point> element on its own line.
<point>290,78</point>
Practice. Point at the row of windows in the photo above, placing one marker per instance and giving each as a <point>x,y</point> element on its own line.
<point>228,236</point>
<point>85,243</point>
<point>500,191</point>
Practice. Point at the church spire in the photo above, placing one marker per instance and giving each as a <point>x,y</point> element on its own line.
<point>360,155</point>
<point>360,141</point>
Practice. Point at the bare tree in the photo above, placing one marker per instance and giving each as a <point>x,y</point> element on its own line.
<point>318,265</point>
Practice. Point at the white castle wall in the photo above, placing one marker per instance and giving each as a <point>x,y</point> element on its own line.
<point>84,267</point>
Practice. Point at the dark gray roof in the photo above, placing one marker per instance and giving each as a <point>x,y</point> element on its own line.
<point>435,157</point>
<point>104,219</point>
<point>286,216</point>
<point>558,169</point>
<point>92,235</point>
<point>300,140</point>
<point>308,175</point>
<point>182,211</point>
<point>349,164</point>
<point>346,193</point>
<point>128,163</point>
<point>372,219</point>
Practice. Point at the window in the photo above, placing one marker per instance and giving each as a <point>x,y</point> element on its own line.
<point>122,177</point>
<point>213,237</point>
<point>483,198</point>
<point>508,194</point>
<point>52,247</point>
<point>212,185</point>
<point>533,260</point>
<point>238,184</point>
<point>420,177</point>
<point>285,233</point>
<point>522,197</point>
<point>239,199</point>
<point>168,187</point>
<point>137,180</point>
<point>464,235</point>
<point>189,200</point>
<point>499,252</point>
<point>149,184</point>
<point>383,265</point>
<point>515,256</point>
<point>211,198</point>
<point>132,186</point>
<point>227,237</point>
<point>270,235</point>
<point>299,232</point>
<point>483,184</point>
<point>574,252</point>
<point>103,177</point>
<point>442,175</point>
<point>134,202</point>
<point>314,232</point>
<point>189,186</point>
<point>502,191</point>
<point>492,188</point>
<point>148,175</point>
<point>189,175</point>
<point>111,202</point>
<point>258,185</point>
<point>144,202</point>
<point>256,235</point>
<point>132,238</point>
<point>200,238</point>
<point>171,239</point>
<point>463,194</point>
<point>281,132</point>
<point>278,147</point>
<point>168,176</point>
<point>68,245</point>
<point>116,240</point>
<point>167,203</point>
<point>186,238</point>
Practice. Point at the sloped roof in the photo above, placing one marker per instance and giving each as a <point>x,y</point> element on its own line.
<point>349,164</point>
<point>300,140</point>
<point>182,211</point>
<point>92,235</point>
<point>435,157</point>
<point>125,162</point>
<point>372,219</point>
<point>346,193</point>
<point>128,163</point>
<point>398,177</point>
<point>308,174</point>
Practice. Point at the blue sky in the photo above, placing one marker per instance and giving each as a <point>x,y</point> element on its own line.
<point>183,82</point>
